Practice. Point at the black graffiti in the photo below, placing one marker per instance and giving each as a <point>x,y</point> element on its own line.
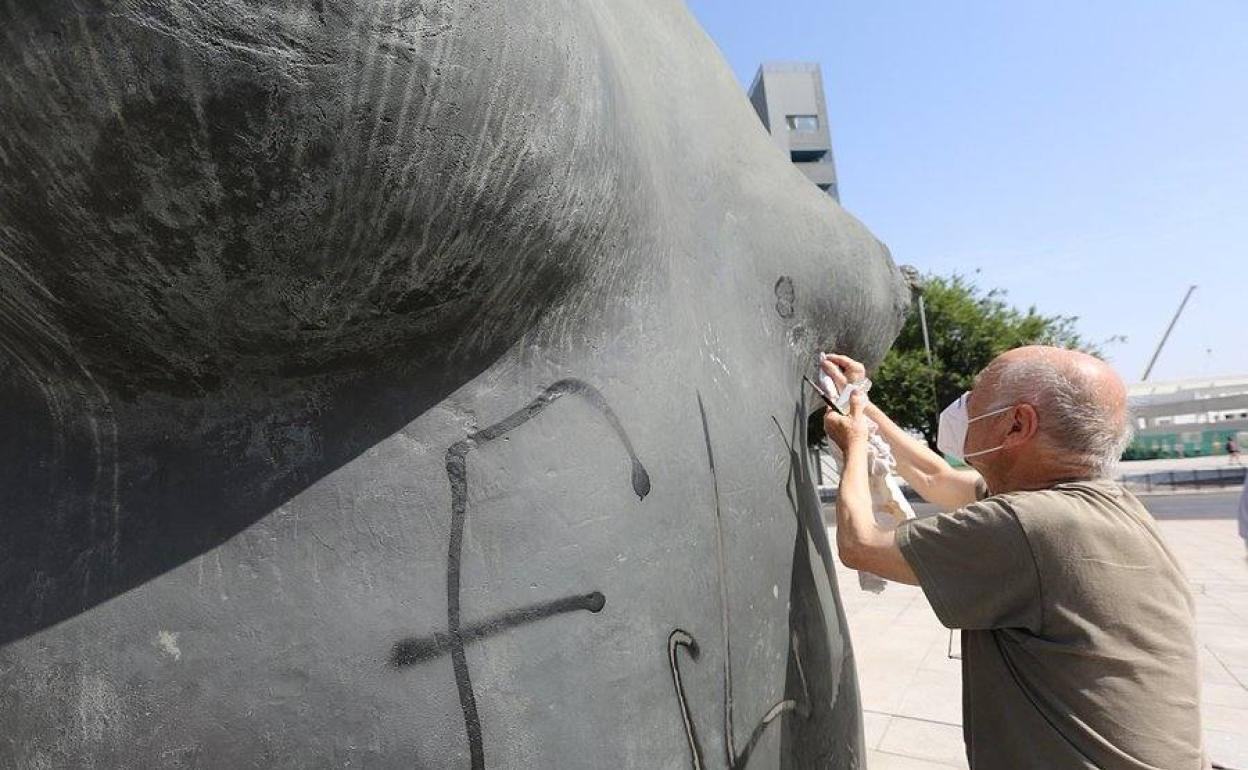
<point>420,649</point>
<point>457,636</point>
<point>681,638</point>
<point>677,639</point>
<point>786,296</point>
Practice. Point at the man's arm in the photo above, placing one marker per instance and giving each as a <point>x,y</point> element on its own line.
<point>861,542</point>
<point>925,471</point>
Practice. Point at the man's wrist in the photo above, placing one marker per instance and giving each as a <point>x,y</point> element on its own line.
<point>854,442</point>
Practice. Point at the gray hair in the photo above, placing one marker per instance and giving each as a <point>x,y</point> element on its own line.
<point>1075,414</point>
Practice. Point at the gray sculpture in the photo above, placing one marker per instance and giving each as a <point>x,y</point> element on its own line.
<point>412,383</point>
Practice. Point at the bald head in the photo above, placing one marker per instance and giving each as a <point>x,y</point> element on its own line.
<point>1080,400</point>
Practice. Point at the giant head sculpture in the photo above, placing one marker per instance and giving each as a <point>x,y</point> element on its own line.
<point>412,383</point>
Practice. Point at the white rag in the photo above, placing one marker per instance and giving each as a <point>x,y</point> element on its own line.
<point>888,503</point>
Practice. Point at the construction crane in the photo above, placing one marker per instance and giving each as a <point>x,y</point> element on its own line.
<point>1166,336</point>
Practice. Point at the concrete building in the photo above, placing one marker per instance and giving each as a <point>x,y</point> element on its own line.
<point>1189,417</point>
<point>788,97</point>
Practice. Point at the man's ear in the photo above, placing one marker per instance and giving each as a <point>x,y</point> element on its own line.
<point>1025,425</point>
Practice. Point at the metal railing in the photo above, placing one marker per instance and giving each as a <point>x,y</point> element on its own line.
<point>1197,478</point>
<point>1175,480</point>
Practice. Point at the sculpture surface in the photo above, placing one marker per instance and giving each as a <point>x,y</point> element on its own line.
<point>412,383</point>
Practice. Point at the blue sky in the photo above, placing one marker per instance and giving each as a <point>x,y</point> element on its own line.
<point>1090,158</point>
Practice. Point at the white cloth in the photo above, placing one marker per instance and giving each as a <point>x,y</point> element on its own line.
<point>888,503</point>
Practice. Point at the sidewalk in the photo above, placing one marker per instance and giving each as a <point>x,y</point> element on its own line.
<point>911,690</point>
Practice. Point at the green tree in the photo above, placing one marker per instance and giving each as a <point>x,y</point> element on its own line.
<point>968,327</point>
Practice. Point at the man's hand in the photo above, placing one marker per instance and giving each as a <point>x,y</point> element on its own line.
<point>843,370</point>
<point>923,469</point>
<point>861,542</point>
<point>848,430</point>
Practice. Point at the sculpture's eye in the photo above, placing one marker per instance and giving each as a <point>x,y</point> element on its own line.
<point>785,297</point>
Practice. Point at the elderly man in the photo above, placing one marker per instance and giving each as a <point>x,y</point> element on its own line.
<point>1077,630</point>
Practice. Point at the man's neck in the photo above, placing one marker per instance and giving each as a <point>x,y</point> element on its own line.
<point>1032,474</point>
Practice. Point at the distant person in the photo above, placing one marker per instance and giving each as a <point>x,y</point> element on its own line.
<point>1232,449</point>
<point>1078,638</point>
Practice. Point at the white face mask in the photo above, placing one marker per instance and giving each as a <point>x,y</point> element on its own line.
<point>954,422</point>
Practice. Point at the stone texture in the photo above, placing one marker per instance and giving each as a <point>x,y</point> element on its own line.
<point>412,383</point>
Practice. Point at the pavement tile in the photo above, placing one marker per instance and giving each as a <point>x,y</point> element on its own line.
<point>930,741</point>
<point>918,613</point>
<point>882,760</point>
<point>1224,695</point>
<point>898,643</point>
<point>873,726</point>
<point>1213,671</point>
<point>883,688</point>
<point>1229,643</point>
<point>1227,749</point>
<point>934,695</point>
<point>1226,719</point>
<point>942,648</point>
<point>1210,611</point>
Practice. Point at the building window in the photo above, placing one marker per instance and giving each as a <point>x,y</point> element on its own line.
<point>807,156</point>
<point>802,123</point>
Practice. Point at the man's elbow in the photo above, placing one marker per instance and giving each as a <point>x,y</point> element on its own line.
<point>934,487</point>
<point>853,554</point>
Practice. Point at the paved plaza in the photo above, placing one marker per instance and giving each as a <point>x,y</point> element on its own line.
<point>911,688</point>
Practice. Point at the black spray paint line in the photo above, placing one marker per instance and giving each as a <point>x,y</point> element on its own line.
<point>680,638</point>
<point>788,445</point>
<point>799,476</point>
<point>801,708</point>
<point>639,477</point>
<point>415,650</point>
<point>788,483</point>
<point>724,619</point>
<point>457,476</point>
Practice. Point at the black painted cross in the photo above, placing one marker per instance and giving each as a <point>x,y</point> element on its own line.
<point>419,649</point>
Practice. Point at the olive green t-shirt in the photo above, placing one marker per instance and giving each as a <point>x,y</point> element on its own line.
<point>1078,642</point>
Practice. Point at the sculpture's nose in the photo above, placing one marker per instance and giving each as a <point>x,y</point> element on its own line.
<point>847,293</point>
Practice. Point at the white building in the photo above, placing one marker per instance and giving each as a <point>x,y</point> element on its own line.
<point>1189,417</point>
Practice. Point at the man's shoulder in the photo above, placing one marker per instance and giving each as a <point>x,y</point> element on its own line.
<point>1046,514</point>
<point>1068,496</point>
<point>1079,510</point>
